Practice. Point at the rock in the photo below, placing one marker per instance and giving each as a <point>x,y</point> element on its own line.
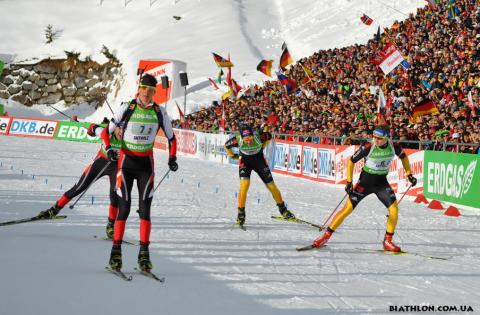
<point>28,86</point>
<point>18,80</point>
<point>69,91</point>
<point>51,98</point>
<point>3,87</point>
<point>45,68</point>
<point>79,82</point>
<point>52,88</point>
<point>9,79</point>
<point>35,95</point>
<point>23,99</point>
<point>13,89</point>
<point>68,99</point>
<point>92,82</point>
<point>52,81</point>
<point>4,94</point>
<point>33,77</point>
<point>41,83</point>
<point>66,82</point>
<point>46,76</point>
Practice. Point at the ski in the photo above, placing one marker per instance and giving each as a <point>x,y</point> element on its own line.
<point>296,220</point>
<point>304,248</point>
<point>151,275</point>
<point>119,274</point>
<point>104,238</point>
<point>32,219</point>
<point>402,253</point>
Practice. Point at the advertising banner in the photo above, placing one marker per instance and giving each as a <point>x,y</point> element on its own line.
<point>452,177</point>
<point>186,141</point>
<point>33,127</point>
<point>162,67</point>
<point>280,160</point>
<point>74,131</point>
<point>4,125</point>
<point>295,159</point>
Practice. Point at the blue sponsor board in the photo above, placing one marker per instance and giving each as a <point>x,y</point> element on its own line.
<point>309,165</point>
<point>325,164</point>
<point>294,158</point>
<point>280,156</point>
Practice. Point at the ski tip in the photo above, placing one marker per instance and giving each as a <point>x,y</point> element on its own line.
<point>308,247</point>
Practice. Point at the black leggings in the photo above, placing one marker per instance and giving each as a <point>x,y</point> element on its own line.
<point>256,163</point>
<point>90,173</point>
<point>376,184</point>
<point>140,168</point>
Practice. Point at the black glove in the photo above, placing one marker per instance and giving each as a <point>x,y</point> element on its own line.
<point>112,155</point>
<point>412,180</point>
<point>172,164</point>
<point>349,188</point>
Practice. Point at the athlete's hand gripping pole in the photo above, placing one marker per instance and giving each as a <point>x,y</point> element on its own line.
<point>93,181</point>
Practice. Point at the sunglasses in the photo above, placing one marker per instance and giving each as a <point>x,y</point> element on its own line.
<point>151,88</point>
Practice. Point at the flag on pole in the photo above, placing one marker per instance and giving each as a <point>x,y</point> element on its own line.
<point>215,86</point>
<point>222,123</point>
<point>284,45</point>
<point>288,83</point>
<point>222,62</point>
<point>265,67</point>
<point>425,107</point>
<point>182,117</point>
<point>227,94</point>
<point>220,76</point>
<point>285,58</point>
<point>471,104</point>
<point>236,87</point>
<point>308,75</point>
<point>366,19</point>
<point>388,58</point>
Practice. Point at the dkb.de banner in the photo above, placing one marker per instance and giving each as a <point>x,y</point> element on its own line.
<point>452,177</point>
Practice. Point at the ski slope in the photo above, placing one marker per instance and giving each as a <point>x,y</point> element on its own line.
<point>212,267</point>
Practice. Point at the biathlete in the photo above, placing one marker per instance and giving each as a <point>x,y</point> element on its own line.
<point>373,179</point>
<point>136,123</point>
<point>250,146</point>
<point>104,164</point>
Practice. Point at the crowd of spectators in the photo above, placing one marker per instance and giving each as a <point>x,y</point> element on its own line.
<point>341,98</point>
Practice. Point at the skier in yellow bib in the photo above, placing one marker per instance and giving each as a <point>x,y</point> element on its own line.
<point>373,179</point>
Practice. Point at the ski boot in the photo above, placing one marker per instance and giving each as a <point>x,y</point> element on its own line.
<point>49,213</point>
<point>389,245</point>
<point>321,241</point>
<point>144,263</point>
<point>109,229</point>
<point>241,216</point>
<point>116,257</point>
<point>287,215</point>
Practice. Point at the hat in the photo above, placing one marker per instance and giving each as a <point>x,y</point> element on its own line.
<point>148,80</point>
<point>380,133</point>
<point>455,135</point>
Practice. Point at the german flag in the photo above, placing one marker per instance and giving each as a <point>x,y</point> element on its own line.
<point>222,62</point>
<point>285,58</point>
<point>265,67</point>
<point>425,107</point>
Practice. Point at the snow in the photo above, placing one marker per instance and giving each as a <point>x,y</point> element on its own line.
<point>211,266</point>
<point>248,30</point>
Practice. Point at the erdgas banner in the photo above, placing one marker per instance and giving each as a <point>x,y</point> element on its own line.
<point>451,177</point>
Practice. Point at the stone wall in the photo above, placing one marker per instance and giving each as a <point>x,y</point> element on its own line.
<point>51,80</point>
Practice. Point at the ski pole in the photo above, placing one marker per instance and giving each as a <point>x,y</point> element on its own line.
<point>94,180</point>
<point>334,210</point>
<point>62,113</point>
<point>164,176</point>
<point>408,188</point>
